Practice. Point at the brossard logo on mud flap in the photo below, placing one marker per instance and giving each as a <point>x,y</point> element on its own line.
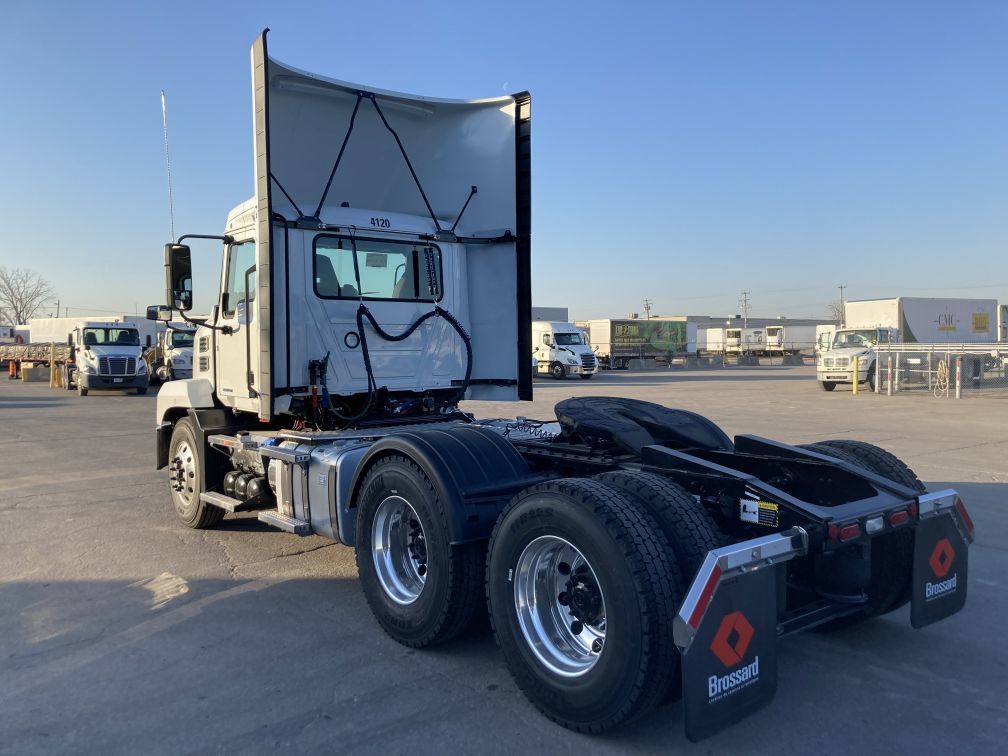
<point>731,641</point>
<point>941,561</point>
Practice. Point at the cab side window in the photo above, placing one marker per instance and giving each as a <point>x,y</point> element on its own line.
<point>241,257</point>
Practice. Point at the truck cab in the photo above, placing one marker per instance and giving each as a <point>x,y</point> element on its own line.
<point>108,355</point>
<point>560,350</point>
<point>173,357</point>
<point>836,365</point>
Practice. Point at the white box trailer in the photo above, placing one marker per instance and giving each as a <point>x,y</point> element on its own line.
<point>927,320</point>
<point>790,340</point>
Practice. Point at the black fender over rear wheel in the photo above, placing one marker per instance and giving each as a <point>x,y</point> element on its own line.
<point>421,589</point>
<point>892,553</point>
<point>184,476</point>
<point>582,597</point>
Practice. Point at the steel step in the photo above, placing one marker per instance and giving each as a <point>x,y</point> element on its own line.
<point>282,521</point>
<point>220,500</point>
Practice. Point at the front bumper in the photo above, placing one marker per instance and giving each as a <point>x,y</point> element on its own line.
<point>92,381</point>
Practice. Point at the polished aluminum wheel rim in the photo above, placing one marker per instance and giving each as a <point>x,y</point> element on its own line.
<point>182,475</point>
<point>399,548</point>
<point>567,639</point>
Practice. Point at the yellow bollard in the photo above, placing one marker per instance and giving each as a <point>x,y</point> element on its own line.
<point>52,364</point>
<point>855,367</point>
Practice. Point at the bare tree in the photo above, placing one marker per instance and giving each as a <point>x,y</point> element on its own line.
<point>22,293</point>
<point>836,311</point>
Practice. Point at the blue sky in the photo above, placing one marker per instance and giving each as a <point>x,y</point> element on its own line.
<point>681,152</point>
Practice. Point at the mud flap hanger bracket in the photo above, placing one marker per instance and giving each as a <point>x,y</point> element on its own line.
<point>728,562</point>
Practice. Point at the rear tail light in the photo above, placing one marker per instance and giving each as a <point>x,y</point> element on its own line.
<point>964,515</point>
<point>899,517</point>
<point>844,532</point>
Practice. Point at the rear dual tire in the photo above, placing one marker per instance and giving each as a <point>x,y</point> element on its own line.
<point>891,558</point>
<point>582,596</point>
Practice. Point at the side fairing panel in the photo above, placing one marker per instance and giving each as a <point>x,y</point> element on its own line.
<point>309,159</point>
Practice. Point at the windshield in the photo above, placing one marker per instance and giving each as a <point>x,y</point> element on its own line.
<point>181,339</point>
<point>855,338</point>
<point>568,339</point>
<point>104,336</point>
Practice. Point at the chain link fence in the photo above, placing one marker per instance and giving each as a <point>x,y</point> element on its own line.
<point>943,370</point>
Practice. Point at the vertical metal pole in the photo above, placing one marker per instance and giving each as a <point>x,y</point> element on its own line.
<point>958,377</point>
<point>930,354</point>
<point>896,375</point>
<point>878,375</point>
<point>889,375</point>
<point>855,366</point>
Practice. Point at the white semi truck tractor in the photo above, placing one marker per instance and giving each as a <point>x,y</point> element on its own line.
<point>627,553</point>
<point>559,350</point>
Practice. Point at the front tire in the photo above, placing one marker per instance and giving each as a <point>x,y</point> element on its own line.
<point>81,390</point>
<point>184,474</point>
<point>141,390</point>
<point>557,371</point>
<point>421,589</point>
<point>582,598</point>
<point>827,385</point>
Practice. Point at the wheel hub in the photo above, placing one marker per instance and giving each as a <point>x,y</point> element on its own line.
<point>560,606</point>
<point>182,472</point>
<point>584,597</point>
<point>399,550</point>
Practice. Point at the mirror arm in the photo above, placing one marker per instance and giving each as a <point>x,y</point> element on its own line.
<point>224,238</point>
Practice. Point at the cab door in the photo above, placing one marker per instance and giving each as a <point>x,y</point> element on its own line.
<point>237,354</point>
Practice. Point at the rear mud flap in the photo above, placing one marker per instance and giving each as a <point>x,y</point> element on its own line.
<point>726,630</point>
<point>940,558</point>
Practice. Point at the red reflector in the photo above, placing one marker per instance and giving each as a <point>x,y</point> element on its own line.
<point>705,597</point>
<point>848,532</point>
<point>844,532</point>
<point>964,515</point>
<point>913,509</point>
<point>898,517</point>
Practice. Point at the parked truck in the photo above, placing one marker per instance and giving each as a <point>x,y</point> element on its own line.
<point>627,553</point>
<point>616,342</point>
<point>90,354</point>
<point>171,358</point>
<point>745,344</point>
<point>790,342</point>
<point>560,350</point>
<point>932,320</point>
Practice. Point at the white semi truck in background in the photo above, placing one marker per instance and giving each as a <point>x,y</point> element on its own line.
<point>922,320</point>
<point>171,358</point>
<point>560,350</point>
<point>89,353</point>
<point>627,553</point>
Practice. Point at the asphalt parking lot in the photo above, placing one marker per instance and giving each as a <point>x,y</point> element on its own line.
<point>121,631</point>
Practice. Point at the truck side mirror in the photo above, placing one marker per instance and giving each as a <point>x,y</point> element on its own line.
<point>159,312</point>
<point>178,276</point>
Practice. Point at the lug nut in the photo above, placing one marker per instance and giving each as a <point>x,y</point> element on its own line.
<point>597,646</point>
<point>576,627</point>
<point>563,568</point>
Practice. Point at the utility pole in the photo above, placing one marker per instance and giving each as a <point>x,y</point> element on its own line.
<point>744,305</point>
<point>842,314</point>
<point>647,308</point>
